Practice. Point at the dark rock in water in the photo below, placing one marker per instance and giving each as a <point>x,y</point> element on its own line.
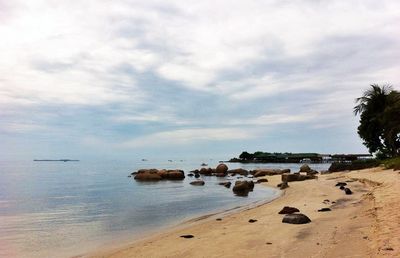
<point>196,175</point>
<point>238,171</point>
<point>226,184</point>
<point>288,210</point>
<point>220,175</point>
<point>187,236</point>
<point>283,185</point>
<point>129,176</point>
<point>348,191</point>
<point>199,182</point>
<point>296,218</point>
<point>190,174</point>
<point>305,168</point>
<point>238,177</point>
<point>324,209</point>
<point>155,174</point>
<point>268,172</point>
<point>341,184</point>
<point>242,188</point>
<point>252,220</point>
<point>262,180</point>
<point>206,171</point>
<point>221,169</point>
<point>342,187</point>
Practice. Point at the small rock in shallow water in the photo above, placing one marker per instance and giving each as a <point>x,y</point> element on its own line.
<point>199,182</point>
<point>252,220</point>
<point>341,184</point>
<point>187,236</point>
<point>324,209</point>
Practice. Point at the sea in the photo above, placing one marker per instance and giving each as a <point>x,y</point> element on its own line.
<point>65,209</point>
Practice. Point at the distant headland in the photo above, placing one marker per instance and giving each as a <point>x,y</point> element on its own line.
<point>288,157</point>
<point>63,160</point>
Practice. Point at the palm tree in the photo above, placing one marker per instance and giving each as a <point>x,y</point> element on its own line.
<point>373,98</point>
<point>379,110</point>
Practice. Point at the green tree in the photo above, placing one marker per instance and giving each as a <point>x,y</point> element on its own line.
<point>379,109</point>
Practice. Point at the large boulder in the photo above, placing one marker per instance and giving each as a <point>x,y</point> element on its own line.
<point>206,171</point>
<point>242,188</point>
<point>221,169</point>
<point>238,171</point>
<point>155,174</point>
<point>296,218</point>
<point>305,168</point>
<point>288,210</point>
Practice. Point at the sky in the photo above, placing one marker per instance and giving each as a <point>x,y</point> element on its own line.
<point>180,79</point>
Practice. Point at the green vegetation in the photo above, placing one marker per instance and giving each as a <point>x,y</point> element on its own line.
<point>393,163</point>
<point>354,165</point>
<point>277,157</point>
<point>379,110</point>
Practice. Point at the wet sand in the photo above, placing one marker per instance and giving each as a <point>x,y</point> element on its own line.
<point>364,224</point>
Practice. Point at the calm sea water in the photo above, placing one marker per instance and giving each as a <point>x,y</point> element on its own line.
<point>60,209</point>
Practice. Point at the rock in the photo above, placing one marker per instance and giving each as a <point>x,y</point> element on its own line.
<point>221,169</point>
<point>348,191</point>
<point>324,209</point>
<point>173,174</point>
<point>252,220</point>
<point>305,168</point>
<point>187,236</point>
<point>268,172</point>
<point>198,182</point>
<point>341,184</point>
<point>283,185</point>
<point>262,180</point>
<point>296,177</point>
<point>205,171</point>
<point>342,187</point>
<point>148,175</point>
<point>296,218</point>
<point>312,172</point>
<point>238,171</point>
<point>154,174</point>
<point>220,175</point>
<point>218,219</point>
<point>288,210</point>
<point>190,174</point>
<point>196,175</point>
<point>242,188</point>
<point>226,184</point>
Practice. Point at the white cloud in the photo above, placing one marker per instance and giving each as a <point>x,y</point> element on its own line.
<point>189,136</point>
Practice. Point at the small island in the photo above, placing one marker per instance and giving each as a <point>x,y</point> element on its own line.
<point>63,160</point>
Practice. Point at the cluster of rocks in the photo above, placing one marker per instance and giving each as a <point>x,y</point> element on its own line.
<point>342,186</point>
<point>155,174</point>
<point>305,173</point>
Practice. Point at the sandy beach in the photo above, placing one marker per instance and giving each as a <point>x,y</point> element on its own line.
<point>364,224</point>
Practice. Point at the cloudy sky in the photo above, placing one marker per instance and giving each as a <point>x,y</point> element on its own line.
<point>135,78</point>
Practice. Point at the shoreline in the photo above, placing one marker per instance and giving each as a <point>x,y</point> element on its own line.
<point>351,229</point>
